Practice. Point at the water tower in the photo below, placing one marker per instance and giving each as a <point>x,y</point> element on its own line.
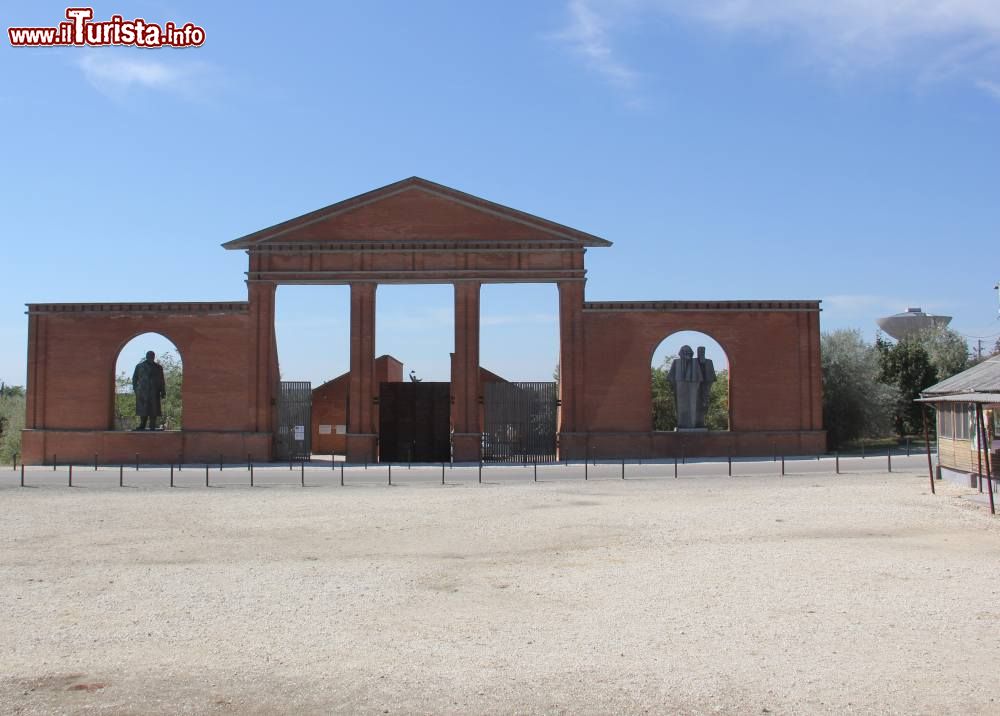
<point>914,320</point>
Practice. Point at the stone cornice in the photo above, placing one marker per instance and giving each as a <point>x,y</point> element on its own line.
<point>469,246</point>
<point>178,308</point>
<point>676,306</point>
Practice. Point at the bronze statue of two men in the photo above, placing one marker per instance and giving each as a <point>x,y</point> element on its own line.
<point>692,380</point>
<point>149,388</point>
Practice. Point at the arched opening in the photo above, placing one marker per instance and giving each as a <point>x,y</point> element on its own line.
<point>169,405</point>
<point>695,396</point>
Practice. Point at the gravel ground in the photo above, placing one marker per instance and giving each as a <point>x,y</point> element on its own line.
<point>753,595</point>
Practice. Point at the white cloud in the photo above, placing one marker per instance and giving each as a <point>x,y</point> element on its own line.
<point>933,39</point>
<point>853,34</point>
<point>118,73</point>
<point>587,35</point>
<point>989,87</point>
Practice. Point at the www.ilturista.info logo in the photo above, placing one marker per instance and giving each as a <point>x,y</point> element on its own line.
<point>80,30</point>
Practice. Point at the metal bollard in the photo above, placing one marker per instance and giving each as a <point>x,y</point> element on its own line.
<point>390,473</point>
<point>251,474</point>
<point>836,461</point>
<point>442,473</point>
<point>480,471</point>
<point>121,476</point>
<point>888,457</point>
<point>54,462</point>
<point>341,474</point>
<point>535,479</point>
<point>172,475</point>
<point>14,466</point>
<point>71,475</point>
<point>623,469</point>
<point>95,462</point>
<point>907,447</point>
<point>206,475</point>
<point>782,464</point>
<point>585,476</point>
<point>137,462</point>
<point>22,474</point>
<point>730,465</point>
<point>675,467</point>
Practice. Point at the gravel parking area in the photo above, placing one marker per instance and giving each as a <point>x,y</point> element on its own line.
<point>811,593</point>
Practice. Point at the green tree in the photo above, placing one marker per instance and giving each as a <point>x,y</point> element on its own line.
<point>946,349</point>
<point>11,421</point>
<point>664,409</point>
<point>907,366</point>
<point>173,373</point>
<point>855,403</point>
<point>717,417</point>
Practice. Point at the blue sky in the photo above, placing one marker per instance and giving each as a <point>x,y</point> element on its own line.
<point>839,150</point>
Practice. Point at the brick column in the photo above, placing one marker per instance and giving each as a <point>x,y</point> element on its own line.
<point>34,395</point>
<point>572,422</point>
<point>264,373</point>
<point>465,373</point>
<point>362,432</point>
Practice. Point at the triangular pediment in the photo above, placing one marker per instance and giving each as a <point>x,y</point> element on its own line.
<point>416,210</point>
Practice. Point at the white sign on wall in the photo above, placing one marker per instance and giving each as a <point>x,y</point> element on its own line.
<point>341,430</point>
<point>300,432</point>
<point>325,429</point>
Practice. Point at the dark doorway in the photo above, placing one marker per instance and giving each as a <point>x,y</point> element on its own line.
<point>414,422</point>
<point>292,438</point>
<point>520,422</point>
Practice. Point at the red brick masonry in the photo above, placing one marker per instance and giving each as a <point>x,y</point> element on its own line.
<point>415,231</point>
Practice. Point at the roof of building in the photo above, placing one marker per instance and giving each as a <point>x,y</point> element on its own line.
<point>319,225</point>
<point>978,384</point>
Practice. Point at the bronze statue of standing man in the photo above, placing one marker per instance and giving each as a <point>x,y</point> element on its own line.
<point>149,387</point>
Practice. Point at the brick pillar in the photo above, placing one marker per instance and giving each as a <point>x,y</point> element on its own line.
<point>572,422</point>
<point>35,393</point>
<point>362,432</point>
<point>465,373</point>
<point>264,373</point>
<point>33,443</point>
<point>816,371</point>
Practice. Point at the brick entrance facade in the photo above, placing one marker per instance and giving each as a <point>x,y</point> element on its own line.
<point>416,231</point>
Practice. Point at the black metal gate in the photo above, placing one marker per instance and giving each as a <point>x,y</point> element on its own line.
<point>293,435</point>
<point>414,422</point>
<point>520,422</point>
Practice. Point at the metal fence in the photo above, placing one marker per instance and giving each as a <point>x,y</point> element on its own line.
<point>519,422</point>
<point>293,436</point>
